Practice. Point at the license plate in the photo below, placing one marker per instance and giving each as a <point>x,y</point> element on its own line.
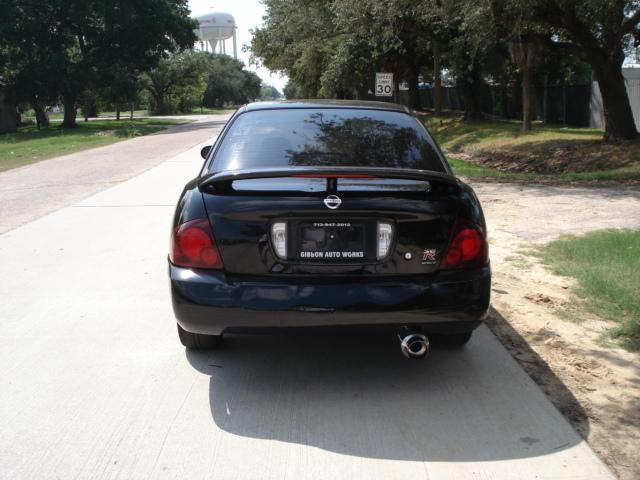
<point>332,242</point>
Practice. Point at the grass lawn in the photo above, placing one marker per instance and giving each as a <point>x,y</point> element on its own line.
<point>212,111</point>
<point>29,115</point>
<point>499,149</point>
<point>30,145</point>
<point>124,114</point>
<point>606,265</point>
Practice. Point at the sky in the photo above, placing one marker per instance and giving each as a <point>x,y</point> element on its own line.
<point>248,14</point>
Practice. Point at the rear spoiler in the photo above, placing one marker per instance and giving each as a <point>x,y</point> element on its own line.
<point>332,174</point>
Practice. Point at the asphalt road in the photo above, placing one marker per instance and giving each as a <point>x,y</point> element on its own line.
<point>96,385</point>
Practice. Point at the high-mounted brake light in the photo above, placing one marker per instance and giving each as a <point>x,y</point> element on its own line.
<point>332,175</point>
<point>468,248</point>
<point>193,245</point>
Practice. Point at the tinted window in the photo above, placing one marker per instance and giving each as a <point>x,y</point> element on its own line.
<point>326,137</point>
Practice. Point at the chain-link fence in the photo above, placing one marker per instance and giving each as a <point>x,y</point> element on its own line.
<point>555,104</point>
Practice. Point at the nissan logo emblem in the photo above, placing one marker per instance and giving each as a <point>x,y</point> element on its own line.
<point>332,202</point>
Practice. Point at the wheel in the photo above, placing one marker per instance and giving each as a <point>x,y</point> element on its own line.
<point>197,341</point>
<point>454,339</point>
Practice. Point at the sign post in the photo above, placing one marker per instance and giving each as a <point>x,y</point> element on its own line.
<point>384,84</point>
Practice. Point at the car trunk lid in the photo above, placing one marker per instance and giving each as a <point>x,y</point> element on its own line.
<point>333,219</point>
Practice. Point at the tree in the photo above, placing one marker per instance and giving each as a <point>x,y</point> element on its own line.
<point>394,35</point>
<point>80,39</point>
<point>228,82</point>
<point>269,92</point>
<point>290,91</point>
<point>598,31</point>
<point>21,55</point>
<point>469,41</point>
<point>525,54</point>
<point>174,74</point>
<point>297,39</point>
<point>119,85</point>
<point>333,48</point>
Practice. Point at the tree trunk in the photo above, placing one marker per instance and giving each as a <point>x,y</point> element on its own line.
<point>437,81</point>
<point>504,102</point>
<point>545,98</point>
<point>117,112</point>
<point>527,98</point>
<point>86,108</point>
<point>414,94</point>
<point>471,94</point>
<point>42,119</point>
<point>158,98</point>
<point>132,107</point>
<point>69,102</point>
<point>618,116</point>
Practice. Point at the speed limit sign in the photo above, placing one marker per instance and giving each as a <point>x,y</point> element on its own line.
<point>384,84</point>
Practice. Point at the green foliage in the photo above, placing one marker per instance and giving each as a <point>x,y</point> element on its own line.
<point>269,92</point>
<point>332,48</point>
<point>297,39</point>
<point>62,47</point>
<point>606,266</point>
<point>191,79</point>
<point>598,31</point>
<point>227,82</point>
<point>177,83</point>
<point>290,91</point>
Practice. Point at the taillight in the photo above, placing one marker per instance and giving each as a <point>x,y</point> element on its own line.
<point>193,245</point>
<point>468,248</point>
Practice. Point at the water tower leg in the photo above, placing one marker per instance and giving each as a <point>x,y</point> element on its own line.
<point>235,48</point>
<point>224,47</point>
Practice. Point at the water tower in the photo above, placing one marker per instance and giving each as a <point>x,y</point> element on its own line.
<point>214,29</point>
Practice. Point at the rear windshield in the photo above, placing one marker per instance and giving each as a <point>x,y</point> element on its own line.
<point>326,137</point>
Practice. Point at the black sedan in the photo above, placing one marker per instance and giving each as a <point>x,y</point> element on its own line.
<point>328,213</point>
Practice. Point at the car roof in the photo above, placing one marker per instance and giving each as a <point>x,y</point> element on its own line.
<point>324,103</point>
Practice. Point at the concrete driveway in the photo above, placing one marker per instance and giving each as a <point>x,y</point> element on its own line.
<point>96,385</point>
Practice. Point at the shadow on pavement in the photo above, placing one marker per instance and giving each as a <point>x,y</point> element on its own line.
<point>539,371</point>
<point>355,394</point>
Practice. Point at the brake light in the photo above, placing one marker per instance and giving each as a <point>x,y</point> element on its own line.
<point>468,248</point>
<point>193,245</point>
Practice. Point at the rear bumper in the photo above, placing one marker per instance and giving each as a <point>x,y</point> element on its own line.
<point>208,302</point>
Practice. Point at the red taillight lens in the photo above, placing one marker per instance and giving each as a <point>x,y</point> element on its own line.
<point>467,248</point>
<point>193,245</point>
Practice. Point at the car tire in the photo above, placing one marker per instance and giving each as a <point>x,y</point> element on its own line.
<point>454,339</point>
<point>197,341</point>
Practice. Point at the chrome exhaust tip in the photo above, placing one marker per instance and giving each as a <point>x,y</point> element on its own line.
<point>413,344</point>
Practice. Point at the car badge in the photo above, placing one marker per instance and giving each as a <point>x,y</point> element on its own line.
<point>332,202</point>
<point>429,256</point>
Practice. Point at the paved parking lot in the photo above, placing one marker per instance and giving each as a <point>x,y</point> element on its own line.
<point>96,385</point>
